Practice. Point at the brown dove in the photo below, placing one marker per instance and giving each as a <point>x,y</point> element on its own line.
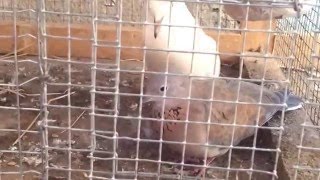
<point>221,113</point>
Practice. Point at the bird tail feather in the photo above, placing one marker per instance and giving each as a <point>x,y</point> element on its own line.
<point>293,102</point>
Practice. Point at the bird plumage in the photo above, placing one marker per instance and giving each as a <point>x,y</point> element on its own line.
<point>222,113</point>
<point>174,39</point>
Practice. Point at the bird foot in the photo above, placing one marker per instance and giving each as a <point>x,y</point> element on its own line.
<point>198,172</point>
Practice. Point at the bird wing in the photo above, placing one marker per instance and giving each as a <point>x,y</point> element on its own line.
<point>243,113</point>
<point>189,126</point>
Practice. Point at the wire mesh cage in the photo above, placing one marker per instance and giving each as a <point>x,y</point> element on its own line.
<point>304,75</point>
<point>73,82</point>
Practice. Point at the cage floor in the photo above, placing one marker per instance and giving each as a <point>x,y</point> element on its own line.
<point>80,140</point>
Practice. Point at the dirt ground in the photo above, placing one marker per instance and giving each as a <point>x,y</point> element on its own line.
<point>71,149</point>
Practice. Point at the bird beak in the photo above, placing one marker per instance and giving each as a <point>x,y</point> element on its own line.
<point>157,27</point>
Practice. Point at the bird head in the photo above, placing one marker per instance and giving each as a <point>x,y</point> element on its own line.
<point>155,85</point>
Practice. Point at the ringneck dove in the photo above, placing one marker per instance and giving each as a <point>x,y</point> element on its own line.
<point>184,39</point>
<point>263,10</point>
<point>199,111</point>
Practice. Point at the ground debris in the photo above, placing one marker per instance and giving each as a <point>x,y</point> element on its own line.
<point>32,160</point>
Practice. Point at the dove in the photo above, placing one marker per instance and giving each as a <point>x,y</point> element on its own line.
<point>217,137</point>
<point>261,10</point>
<point>180,41</point>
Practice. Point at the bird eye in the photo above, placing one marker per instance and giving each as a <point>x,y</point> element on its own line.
<point>162,88</point>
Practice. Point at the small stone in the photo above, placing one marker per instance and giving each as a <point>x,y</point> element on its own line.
<point>22,69</point>
<point>85,174</point>
<point>4,99</point>
<point>167,168</point>
<point>56,142</point>
<point>107,102</point>
<point>35,161</point>
<point>133,106</point>
<point>11,163</point>
<point>13,148</point>
<point>54,136</point>
<point>125,83</point>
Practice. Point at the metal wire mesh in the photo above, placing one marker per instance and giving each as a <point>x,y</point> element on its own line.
<point>18,108</point>
<point>306,51</point>
<point>80,118</point>
<point>304,80</point>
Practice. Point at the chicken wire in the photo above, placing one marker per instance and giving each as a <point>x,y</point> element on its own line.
<point>96,92</point>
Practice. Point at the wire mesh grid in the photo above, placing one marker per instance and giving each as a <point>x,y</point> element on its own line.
<point>17,106</point>
<point>304,79</point>
<point>89,111</point>
<point>306,51</point>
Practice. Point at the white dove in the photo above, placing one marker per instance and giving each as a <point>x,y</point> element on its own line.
<point>185,39</point>
<point>261,10</point>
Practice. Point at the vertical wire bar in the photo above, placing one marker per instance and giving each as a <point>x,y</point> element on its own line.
<point>283,110</point>
<point>69,89</point>
<point>244,37</point>
<point>265,58</point>
<point>190,87</point>
<point>212,88</point>
<point>165,92</point>
<point>94,18</point>
<point>42,49</point>
<point>16,82</point>
<point>146,8</point>
<point>117,86</point>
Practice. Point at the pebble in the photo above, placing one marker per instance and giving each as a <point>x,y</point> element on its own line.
<point>11,163</point>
